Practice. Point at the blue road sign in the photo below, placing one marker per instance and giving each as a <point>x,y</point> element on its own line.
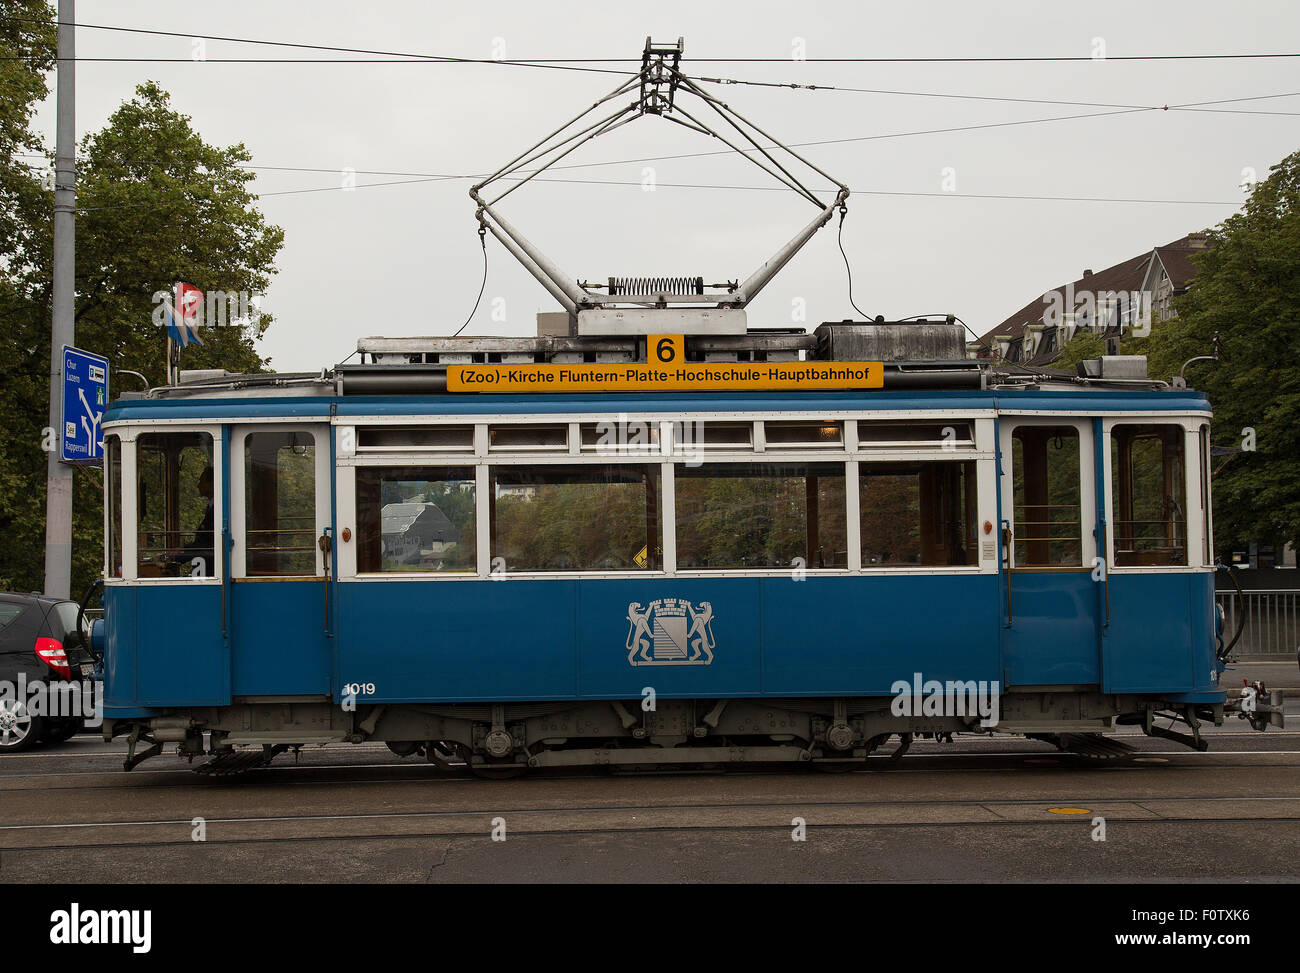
<point>85,394</point>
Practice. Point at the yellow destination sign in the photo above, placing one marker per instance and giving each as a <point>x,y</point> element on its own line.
<point>684,377</point>
<point>667,371</point>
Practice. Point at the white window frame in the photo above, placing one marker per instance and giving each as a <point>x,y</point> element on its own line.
<point>668,454</point>
<point>320,432</point>
<point>1193,513</point>
<point>130,503</point>
<point>1087,487</point>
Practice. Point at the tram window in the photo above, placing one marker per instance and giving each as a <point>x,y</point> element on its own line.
<point>917,514</point>
<point>952,434</point>
<point>1147,484</point>
<point>113,448</point>
<point>1207,545</point>
<point>415,439</point>
<point>174,505</point>
<point>803,435</point>
<point>525,438</point>
<point>1047,530</point>
<point>727,435</point>
<point>280,503</point>
<point>624,437</point>
<point>747,515</point>
<point>595,517</point>
<point>415,519</point>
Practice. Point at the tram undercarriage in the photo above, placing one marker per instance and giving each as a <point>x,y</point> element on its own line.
<point>504,739</point>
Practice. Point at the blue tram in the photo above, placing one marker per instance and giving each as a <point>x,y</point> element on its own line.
<point>765,567</point>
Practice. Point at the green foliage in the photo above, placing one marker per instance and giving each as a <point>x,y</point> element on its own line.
<point>1247,291</point>
<point>156,205</point>
<point>27,46</point>
<point>570,526</point>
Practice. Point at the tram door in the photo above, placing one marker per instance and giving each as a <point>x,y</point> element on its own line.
<point>280,509</point>
<point>1050,621</point>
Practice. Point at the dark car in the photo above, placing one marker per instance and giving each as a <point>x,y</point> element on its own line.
<point>40,645</point>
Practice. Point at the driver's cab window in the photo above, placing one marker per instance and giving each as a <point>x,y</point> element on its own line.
<point>175,505</point>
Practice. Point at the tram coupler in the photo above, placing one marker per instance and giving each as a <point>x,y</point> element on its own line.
<point>1264,707</point>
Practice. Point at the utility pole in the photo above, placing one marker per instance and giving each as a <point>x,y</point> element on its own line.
<point>58,488</point>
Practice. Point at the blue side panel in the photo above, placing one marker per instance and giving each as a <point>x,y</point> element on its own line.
<point>560,639</point>
<point>120,664</point>
<point>1204,654</point>
<point>1154,639</point>
<point>180,653</point>
<point>605,627</point>
<point>857,636</point>
<point>458,641</point>
<point>1052,640</point>
<point>278,635</point>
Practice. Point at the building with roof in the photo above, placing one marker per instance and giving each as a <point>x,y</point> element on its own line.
<point>416,533</point>
<point>1124,298</point>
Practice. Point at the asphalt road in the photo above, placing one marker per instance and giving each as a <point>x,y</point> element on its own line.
<point>1275,675</point>
<point>1006,809</point>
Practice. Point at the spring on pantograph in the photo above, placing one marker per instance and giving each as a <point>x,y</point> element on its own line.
<point>650,286</point>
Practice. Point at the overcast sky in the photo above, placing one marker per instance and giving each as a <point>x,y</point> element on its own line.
<point>405,259</point>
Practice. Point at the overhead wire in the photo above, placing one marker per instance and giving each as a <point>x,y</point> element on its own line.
<point>931,59</point>
<point>377,56</point>
<point>718,152</point>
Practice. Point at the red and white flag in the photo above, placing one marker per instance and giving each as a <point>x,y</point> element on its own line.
<point>189,313</point>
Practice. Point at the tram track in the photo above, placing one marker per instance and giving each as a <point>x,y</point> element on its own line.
<point>388,818</point>
<point>1200,792</point>
<point>574,821</point>
<point>351,774</point>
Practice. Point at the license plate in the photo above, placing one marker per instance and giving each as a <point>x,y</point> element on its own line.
<point>88,668</point>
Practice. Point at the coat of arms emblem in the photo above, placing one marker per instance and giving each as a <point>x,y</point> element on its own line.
<point>670,632</point>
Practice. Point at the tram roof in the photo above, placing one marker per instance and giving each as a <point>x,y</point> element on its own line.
<point>1038,398</point>
<point>914,365</point>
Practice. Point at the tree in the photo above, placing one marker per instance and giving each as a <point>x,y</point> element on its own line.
<point>1247,291</point>
<point>156,204</point>
<point>27,48</point>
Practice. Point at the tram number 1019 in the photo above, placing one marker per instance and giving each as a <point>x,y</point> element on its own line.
<point>359,689</point>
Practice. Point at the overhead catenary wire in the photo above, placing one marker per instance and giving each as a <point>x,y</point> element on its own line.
<point>1193,106</point>
<point>713,186</point>
<point>413,178</point>
<point>718,152</point>
<point>437,58</point>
